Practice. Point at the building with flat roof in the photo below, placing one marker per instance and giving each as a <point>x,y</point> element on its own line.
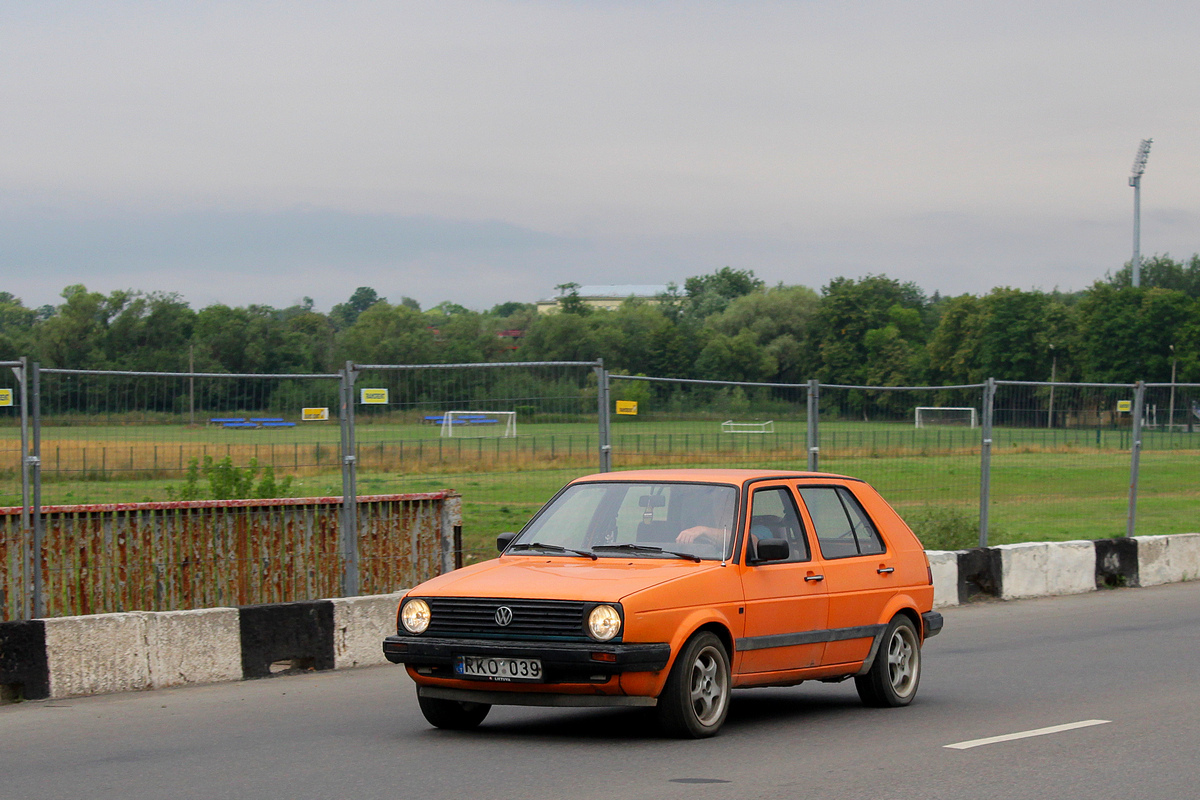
<point>608,297</point>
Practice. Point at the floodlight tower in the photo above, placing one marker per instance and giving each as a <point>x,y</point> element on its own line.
<point>1135,180</point>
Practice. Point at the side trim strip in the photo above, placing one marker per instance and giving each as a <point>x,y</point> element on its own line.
<point>808,637</point>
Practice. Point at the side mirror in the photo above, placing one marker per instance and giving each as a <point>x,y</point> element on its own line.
<point>772,550</point>
<point>503,540</point>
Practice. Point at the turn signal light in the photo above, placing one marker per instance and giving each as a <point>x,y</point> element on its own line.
<point>609,657</point>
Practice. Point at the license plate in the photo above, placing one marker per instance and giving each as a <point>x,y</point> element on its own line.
<point>498,668</point>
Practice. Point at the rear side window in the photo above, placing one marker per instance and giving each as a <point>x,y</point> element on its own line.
<point>842,526</point>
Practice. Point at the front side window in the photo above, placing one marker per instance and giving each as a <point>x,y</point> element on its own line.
<point>637,519</point>
<point>842,526</point>
<point>773,515</point>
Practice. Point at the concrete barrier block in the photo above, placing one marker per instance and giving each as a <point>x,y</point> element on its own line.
<point>24,674</point>
<point>980,574</point>
<point>1116,563</point>
<point>359,626</point>
<point>202,646</point>
<point>1168,559</point>
<point>1041,569</point>
<point>97,654</point>
<point>944,566</point>
<point>280,636</point>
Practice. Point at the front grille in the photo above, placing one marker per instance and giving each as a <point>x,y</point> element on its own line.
<point>531,619</point>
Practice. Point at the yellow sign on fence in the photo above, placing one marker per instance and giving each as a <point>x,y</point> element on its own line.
<point>1124,406</point>
<point>374,397</point>
<point>627,407</point>
<point>307,414</point>
<point>6,397</point>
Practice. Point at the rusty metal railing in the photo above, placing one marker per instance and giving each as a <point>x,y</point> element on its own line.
<point>183,555</point>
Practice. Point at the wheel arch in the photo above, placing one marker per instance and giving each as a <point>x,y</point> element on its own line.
<point>902,606</point>
<point>721,632</point>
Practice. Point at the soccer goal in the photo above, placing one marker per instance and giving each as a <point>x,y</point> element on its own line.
<point>479,423</point>
<point>729,426</point>
<point>947,415</point>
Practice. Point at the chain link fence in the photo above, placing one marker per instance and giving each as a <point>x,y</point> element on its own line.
<point>994,462</point>
<point>1061,460</point>
<point>507,436</point>
<point>692,423</point>
<point>1168,480</point>
<point>115,437</point>
<point>920,446</point>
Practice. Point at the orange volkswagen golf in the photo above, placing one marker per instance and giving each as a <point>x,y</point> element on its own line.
<point>670,588</point>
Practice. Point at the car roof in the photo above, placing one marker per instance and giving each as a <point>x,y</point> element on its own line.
<point>735,476</point>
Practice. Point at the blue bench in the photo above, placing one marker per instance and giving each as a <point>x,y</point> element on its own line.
<point>254,422</point>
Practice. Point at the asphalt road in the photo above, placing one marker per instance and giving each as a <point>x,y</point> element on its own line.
<point>1130,657</point>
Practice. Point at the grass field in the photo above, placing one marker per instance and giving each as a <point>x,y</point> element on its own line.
<point>1046,484</point>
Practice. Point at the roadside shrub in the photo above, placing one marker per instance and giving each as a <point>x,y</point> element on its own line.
<point>227,482</point>
<point>944,527</point>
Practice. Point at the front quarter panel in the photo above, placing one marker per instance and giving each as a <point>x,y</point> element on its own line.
<point>672,612</point>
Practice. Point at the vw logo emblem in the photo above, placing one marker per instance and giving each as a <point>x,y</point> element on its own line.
<point>503,616</point>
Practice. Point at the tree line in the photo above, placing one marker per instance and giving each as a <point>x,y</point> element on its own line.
<point>727,325</point>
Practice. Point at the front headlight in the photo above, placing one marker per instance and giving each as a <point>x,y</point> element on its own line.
<point>414,616</point>
<point>604,623</point>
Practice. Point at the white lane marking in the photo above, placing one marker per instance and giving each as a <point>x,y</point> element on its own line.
<point>1008,737</point>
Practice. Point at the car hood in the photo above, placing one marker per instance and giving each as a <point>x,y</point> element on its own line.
<point>542,578</point>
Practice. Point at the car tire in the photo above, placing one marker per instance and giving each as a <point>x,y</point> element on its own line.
<point>896,672</point>
<point>695,699</point>
<point>453,715</point>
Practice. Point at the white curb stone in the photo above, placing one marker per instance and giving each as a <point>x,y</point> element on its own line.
<point>944,566</point>
<point>201,646</point>
<point>1168,559</point>
<point>1042,569</point>
<point>359,627</point>
<point>95,654</point>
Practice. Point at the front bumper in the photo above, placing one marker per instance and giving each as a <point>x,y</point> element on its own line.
<point>561,660</point>
<point>537,698</point>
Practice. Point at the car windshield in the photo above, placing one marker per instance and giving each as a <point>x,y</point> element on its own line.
<point>668,520</point>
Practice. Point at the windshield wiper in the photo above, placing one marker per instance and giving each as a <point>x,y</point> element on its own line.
<point>648,548</point>
<point>552,548</point>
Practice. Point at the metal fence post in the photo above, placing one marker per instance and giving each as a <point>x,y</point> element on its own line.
<point>22,373</point>
<point>34,463</point>
<point>985,459</point>
<point>814,433</point>
<point>1135,454</point>
<point>605,431</point>
<point>349,532</point>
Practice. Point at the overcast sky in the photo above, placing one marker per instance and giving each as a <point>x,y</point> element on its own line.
<point>479,152</point>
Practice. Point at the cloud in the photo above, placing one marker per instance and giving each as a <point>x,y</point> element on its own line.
<point>267,257</point>
<point>484,151</point>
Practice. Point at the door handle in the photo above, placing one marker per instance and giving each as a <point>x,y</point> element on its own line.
<point>885,570</point>
<point>814,578</point>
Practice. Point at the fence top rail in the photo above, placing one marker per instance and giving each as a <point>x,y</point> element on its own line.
<point>106,508</point>
<point>131,374</point>
<point>903,388</point>
<point>1175,385</point>
<point>613,377</point>
<point>10,363</point>
<point>1064,383</point>
<point>481,365</point>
